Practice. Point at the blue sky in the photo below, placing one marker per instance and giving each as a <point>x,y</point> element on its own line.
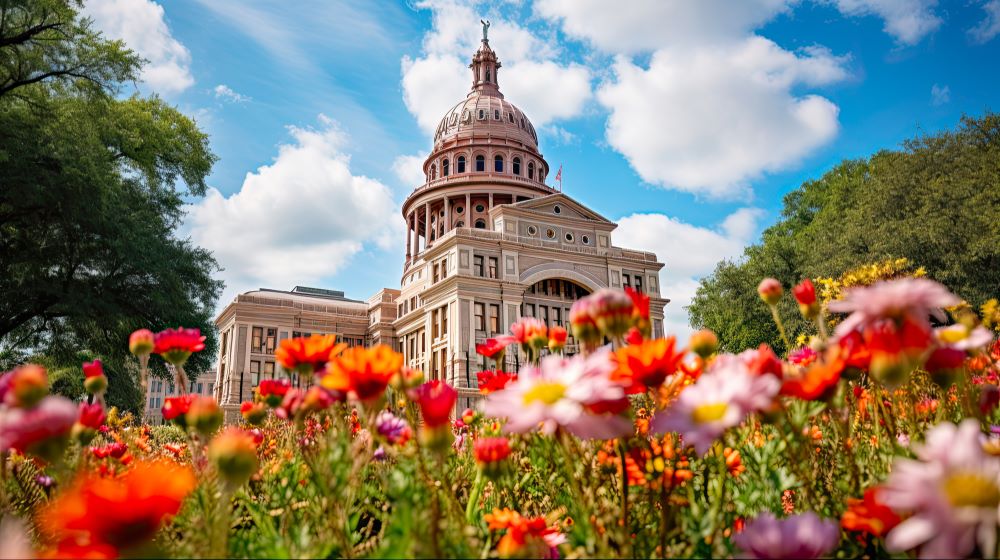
<point>685,121</point>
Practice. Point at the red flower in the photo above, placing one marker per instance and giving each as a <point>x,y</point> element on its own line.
<point>528,537</point>
<point>640,301</point>
<point>764,360</point>
<point>813,382</point>
<point>122,512</point>
<point>94,380</point>
<point>273,390</point>
<point>115,450</point>
<point>93,369</point>
<point>945,358</point>
<point>529,332</point>
<point>177,345</point>
<point>491,450</point>
<point>805,292</point>
<point>557,338</point>
<point>437,400</point>
<point>24,386</point>
<point>633,336</point>
<point>490,381</point>
<point>869,515</point>
<point>646,365</point>
<point>307,355</point>
<point>91,415</point>
<point>494,346</point>
<point>174,408</point>
<point>896,350</point>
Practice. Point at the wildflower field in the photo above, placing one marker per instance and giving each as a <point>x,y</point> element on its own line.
<point>873,437</point>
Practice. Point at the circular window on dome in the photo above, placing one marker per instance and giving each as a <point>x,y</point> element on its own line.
<point>532,230</point>
<point>550,233</point>
<point>480,208</point>
<point>557,209</point>
<point>459,209</point>
<point>569,238</point>
<point>586,240</point>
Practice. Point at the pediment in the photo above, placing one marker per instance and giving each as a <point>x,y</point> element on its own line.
<point>559,205</point>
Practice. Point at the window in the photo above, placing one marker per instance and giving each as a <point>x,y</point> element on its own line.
<point>480,319</point>
<point>522,122</point>
<point>531,170</point>
<point>626,280</point>
<point>269,370</point>
<point>434,172</point>
<point>529,310</point>
<point>210,387</point>
<point>498,164</point>
<point>445,168</point>
<point>532,230</point>
<point>510,117</point>
<point>569,237</point>
<point>460,223</point>
<point>496,112</point>
<point>198,388</point>
<point>557,209</point>
<point>460,164</point>
<point>444,268</point>
<point>543,314</point>
<point>482,114</point>
<point>254,373</point>
<point>550,233</point>
<point>480,163</point>
<point>434,274</point>
<point>638,283</point>
<point>480,224</point>
<point>477,265</point>
<point>444,320</point>
<point>493,267</point>
<point>586,240</point>
<point>480,208</point>
<point>459,209</point>
<point>225,343</point>
<point>557,316</point>
<point>494,318</point>
<point>516,166</point>
<point>257,340</point>
<point>269,342</point>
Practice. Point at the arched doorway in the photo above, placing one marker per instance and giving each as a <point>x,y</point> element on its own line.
<point>549,301</point>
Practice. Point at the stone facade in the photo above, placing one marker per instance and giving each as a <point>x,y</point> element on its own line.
<point>160,389</point>
<point>487,242</point>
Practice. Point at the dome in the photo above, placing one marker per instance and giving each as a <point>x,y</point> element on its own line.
<point>484,113</point>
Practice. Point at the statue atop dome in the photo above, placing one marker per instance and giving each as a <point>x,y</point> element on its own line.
<point>486,30</point>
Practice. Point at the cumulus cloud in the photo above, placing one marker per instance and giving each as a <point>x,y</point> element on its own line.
<point>989,27</point>
<point>409,169</point>
<point>940,95</point>
<point>908,21</point>
<point>222,91</point>
<point>439,78</point>
<point>710,119</point>
<point>298,220</point>
<point>672,240</point>
<point>141,25</point>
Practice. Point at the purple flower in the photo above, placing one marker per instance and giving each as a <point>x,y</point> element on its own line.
<point>912,298</point>
<point>719,400</point>
<point>805,535</point>
<point>951,494</point>
<point>577,394</point>
<point>379,454</point>
<point>394,429</point>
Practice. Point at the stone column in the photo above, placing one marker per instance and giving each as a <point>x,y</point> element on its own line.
<point>427,224</point>
<point>409,235</point>
<point>447,214</point>
<point>468,210</point>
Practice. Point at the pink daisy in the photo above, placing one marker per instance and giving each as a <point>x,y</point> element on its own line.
<point>913,298</point>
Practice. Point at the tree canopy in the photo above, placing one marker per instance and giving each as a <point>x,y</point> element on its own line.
<point>934,202</point>
<point>93,190</point>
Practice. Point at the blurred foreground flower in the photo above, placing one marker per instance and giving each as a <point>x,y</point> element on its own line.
<point>805,535</point>
<point>307,355</point>
<point>525,537</point>
<point>42,431</point>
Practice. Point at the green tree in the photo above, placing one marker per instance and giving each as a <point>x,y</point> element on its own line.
<point>93,190</point>
<point>934,202</point>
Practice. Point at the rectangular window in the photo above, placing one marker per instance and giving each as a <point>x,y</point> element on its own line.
<point>225,343</point>
<point>210,387</point>
<point>567,292</point>
<point>434,323</point>
<point>435,277</point>
<point>444,320</point>
<point>257,340</point>
<point>545,288</point>
<point>270,342</point>
<point>494,318</point>
<point>638,283</point>
<point>557,316</point>
<point>529,310</point>
<point>269,370</point>
<point>199,389</point>
<point>254,372</point>
<point>480,322</point>
<point>543,314</point>
<point>493,267</point>
<point>627,280</point>
<point>477,265</point>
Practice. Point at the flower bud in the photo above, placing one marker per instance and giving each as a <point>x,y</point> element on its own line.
<point>234,455</point>
<point>581,319</point>
<point>704,343</point>
<point>491,455</point>
<point>89,421</point>
<point>805,295</point>
<point>94,380</point>
<point>469,416</point>
<point>557,339</point>
<point>175,409</point>
<point>770,291</point>
<point>141,342</point>
<point>204,415</point>
<point>253,413</point>
<point>26,386</point>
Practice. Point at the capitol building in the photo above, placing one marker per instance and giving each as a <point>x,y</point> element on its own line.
<point>487,242</point>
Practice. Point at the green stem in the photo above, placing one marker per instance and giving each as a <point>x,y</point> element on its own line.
<point>472,508</point>
<point>627,534</point>
<point>781,327</point>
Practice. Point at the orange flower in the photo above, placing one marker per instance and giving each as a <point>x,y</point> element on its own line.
<point>365,372</point>
<point>812,382</point>
<point>645,366</point>
<point>734,463</point>
<point>528,537</point>
<point>120,513</point>
<point>869,515</point>
<point>307,355</point>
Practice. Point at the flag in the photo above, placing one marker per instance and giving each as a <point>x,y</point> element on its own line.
<point>559,176</point>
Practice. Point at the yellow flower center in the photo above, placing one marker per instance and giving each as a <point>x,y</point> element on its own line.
<point>969,489</point>
<point>547,392</point>
<point>953,334</point>
<point>709,412</point>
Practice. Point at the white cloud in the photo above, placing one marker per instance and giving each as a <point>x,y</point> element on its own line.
<point>646,25</point>
<point>909,21</point>
<point>709,119</point>
<point>989,27</point>
<point>940,95</point>
<point>297,220</point>
<point>141,25</point>
<point>529,75</point>
<point>222,91</point>
<point>410,170</point>
<point>673,241</point>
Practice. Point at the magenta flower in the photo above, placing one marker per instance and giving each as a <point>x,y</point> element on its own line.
<point>719,400</point>
<point>577,394</point>
<point>951,494</point>
<point>40,430</point>
<point>805,535</point>
<point>394,429</point>
<point>912,298</point>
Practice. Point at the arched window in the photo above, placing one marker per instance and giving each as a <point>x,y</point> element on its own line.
<point>487,75</point>
<point>516,166</point>
<point>531,170</point>
<point>480,163</point>
<point>445,168</point>
<point>460,164</point>
<point>460,223</point>
<point>498,164</point>
<point>480,224</point>
<point>482,114</point>
<point>496,114</point>
<point>434,172</point>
